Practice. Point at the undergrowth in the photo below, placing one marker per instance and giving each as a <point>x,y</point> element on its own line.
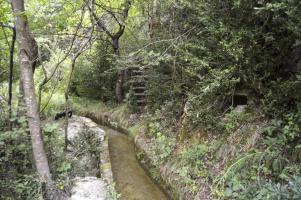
<point>269,170</point>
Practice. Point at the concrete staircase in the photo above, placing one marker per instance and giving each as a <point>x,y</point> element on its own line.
<point>138,84</point>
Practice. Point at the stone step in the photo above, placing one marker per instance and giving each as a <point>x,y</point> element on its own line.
<point>139,94</point>
<point>141,101</point>
<point>138,77</point>
<point>136,72</point>
<point>137,81</point>
<point>139,88</point>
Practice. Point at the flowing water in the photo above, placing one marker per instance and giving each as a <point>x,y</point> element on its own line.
<point>132,182</point>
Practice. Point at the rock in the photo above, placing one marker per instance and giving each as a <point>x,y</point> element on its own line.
<point>86,185</point>
<point>133,118</point>
<point>88,188</point>
<point>240,109</point>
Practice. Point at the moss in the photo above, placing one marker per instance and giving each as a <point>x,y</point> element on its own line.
<point>106,166</point>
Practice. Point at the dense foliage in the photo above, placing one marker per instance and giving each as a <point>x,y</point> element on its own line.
<point>199,60</point>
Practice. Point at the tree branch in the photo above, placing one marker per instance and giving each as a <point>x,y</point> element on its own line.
<point>113,14</point>
<point>47,79</point>
<point>3,98</point>
<point>98,21</point>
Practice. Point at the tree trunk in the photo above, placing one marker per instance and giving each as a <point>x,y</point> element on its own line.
<point>120,73</point>
<point>11,68</point>
<point>25,43</point>
<point>73,62</point>
<point>119,86</point>
<point>67,103</point>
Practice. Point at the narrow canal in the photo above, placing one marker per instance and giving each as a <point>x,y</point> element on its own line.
<point>132,182</point>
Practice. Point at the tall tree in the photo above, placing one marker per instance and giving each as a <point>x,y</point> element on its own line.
<point>11,68</point>
<point>119,18</point>
<point>11,46</point>
<point>27,56</point>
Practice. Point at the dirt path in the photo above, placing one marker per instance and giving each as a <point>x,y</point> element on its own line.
<point>131,180</point>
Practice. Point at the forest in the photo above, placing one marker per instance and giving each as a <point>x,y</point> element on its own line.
<point>150,99</point>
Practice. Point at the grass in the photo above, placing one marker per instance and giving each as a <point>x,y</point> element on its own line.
<point>116,116</point>
<point>137,128</point>
<point>84,106</point>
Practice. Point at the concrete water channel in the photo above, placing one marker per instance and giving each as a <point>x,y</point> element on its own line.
<point>118,163</point>
<point>132,181</point>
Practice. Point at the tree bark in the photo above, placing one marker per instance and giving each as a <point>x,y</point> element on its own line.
<point>119,86</point>
<point>27,60</point>
<point>120,73</point>
<point>11,68</point>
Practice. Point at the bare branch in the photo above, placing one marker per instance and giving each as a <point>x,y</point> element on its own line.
<point>3,98</point>
<point>47,79</point>
<point>98,21</point>
<point>5,35</point>
<point>113,14</point>
<point>121,29</point>
<point>6,26</point>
